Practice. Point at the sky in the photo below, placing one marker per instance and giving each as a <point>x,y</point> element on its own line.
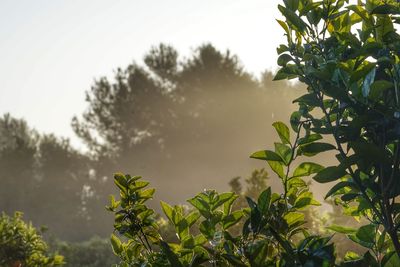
<point>51,51</point>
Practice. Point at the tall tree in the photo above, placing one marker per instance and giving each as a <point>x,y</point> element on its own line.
<point>63,188</point>
<point>17,164</point>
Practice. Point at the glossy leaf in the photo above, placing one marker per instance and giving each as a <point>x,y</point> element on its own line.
<point>283,131</point>
<point>329,174</point>
<point>306,169</point>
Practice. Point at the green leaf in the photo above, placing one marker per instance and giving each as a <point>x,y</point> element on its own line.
<point>390,260</point>
<point>192,217</point>
<point>266,155</point>
<point>293,217</point>
<point>351,256</point>
<point>284,151</point>
<point>360,11</point>
<point>232,219</point>
<point>309,139</point>
<point>116,244</point>
<point>341,229</point>
<point>121,182</point>
<point>284,59</point>
<point>136,185</point>
<point>295,121</point>
<point>199,240</point>
<point>369,79</point>
<point>283,131</point>
<point>354,238</point>
<point>349,196</point>
<point>188,242</point>
<point>264,200</point>
<point>207,229</point>
<point>367,233</point>
<point>147,194</point>
<point>292,18</point>
<point>315,148</point>
<point>228,204</point>
<point>339,186</point>
<point>282,48</point>
<point>386,9</point>
<point>308,99</point>
<point>168,211</point>
<point>306,169</point>
<point>369,151</point>
<point>286,28</point>
<point>378,87</point>
<point>292,4</point>
<point>277,167</point>
<point>222,198</point>
<point>305,199</point>
<point>171,256</point>
<point>201,206</point>
<point>329,174</point>
<point>362,72</point>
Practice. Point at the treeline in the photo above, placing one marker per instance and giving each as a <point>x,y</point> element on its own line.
<point>170,119</point>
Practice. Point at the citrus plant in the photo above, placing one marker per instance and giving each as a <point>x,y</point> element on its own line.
<point>273,225</point>
<point>348,56</point>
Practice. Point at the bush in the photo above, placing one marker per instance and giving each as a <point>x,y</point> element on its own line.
<point>21,245</point>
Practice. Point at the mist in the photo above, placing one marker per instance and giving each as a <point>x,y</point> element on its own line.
<point>184,125</point>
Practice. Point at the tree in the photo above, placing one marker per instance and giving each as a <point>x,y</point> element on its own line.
<point>17,164</point>
<point>155,113</point>
<point>347,56</point>
<point>46,178</point>
<point>63,186</point>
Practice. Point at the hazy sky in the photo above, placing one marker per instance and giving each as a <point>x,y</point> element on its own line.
<point>50,51</point>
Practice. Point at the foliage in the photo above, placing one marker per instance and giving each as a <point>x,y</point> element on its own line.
<point>347,55</point>
<point>21,245</point>
<point>273,231</point>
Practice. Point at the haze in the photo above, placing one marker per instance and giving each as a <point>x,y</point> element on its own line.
<point>185,124</point>
<point>52,50</point>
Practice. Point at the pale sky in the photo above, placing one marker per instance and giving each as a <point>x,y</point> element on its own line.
<point>51,50</point>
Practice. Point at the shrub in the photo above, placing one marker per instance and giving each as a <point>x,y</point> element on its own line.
<point>21,245</point>
<point>273,226</point>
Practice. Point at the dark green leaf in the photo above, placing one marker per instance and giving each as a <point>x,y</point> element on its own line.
<point>362,72</point>
<point>338,187</point>
<point>284,59</point>
<point>171,256</point>
<point>264,200</point>
<point>315,148</point>
<point>291,17</point>
<point>329,174</point>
